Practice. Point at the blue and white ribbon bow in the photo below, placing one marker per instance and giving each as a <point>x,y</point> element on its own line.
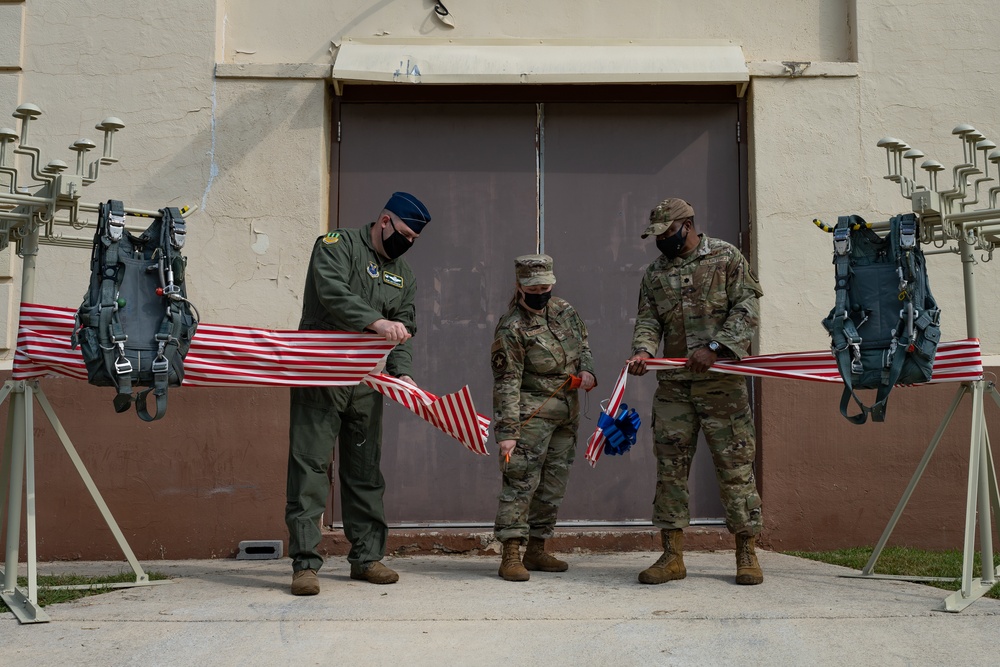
<point>620,432</point>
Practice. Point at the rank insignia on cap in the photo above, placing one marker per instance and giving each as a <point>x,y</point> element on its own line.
<point>392,279</point>
<point>331,238</point>
<point>373,269</point>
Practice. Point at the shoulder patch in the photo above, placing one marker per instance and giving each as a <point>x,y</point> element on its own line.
<point>392,279</point>
<point>499,361</point>
<point>331,238</point>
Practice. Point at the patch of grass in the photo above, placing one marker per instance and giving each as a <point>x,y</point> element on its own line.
<point>905,561</point>
<point>47,596</point>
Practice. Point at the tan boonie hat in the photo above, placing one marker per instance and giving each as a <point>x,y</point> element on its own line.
<point>665,213</point>
<point>534,270</point>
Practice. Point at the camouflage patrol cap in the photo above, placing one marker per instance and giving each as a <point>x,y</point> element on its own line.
<point>534,270</point>
<point>665,213</point>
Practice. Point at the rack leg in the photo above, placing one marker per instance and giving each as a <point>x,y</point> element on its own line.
<point>870,565</point>
<point>977,492</point>
<point>15,489</point>
<point>19,459</point>
<point>140,576</point>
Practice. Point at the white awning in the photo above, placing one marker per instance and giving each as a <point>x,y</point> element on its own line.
<point>540,62</point>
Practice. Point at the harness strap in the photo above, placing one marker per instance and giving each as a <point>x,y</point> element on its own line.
<point>161,404</point>
<point>111,335</point>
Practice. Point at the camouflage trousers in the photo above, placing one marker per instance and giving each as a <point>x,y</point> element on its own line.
<point>719,407</point>
<point>534,480</point>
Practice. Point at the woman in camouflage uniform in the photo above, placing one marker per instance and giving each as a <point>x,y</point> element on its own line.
<point>539,347</point>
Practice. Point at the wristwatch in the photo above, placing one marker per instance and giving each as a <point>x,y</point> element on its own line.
<point>714,346</point>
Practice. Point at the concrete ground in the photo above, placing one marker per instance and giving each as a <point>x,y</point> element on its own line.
<point>454,610</point>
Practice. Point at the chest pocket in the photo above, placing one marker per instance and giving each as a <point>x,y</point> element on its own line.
<point>544,355</point>
<point>712,275</point>
<point>381,295</point>
<point>390,297</point>
<point>666,297</point>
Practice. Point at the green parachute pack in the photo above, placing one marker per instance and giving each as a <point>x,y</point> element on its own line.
<point>885,326</point>
<point>135,324</point>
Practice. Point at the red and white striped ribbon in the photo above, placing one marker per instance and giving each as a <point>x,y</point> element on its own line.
<point>956,361</point>
<point>453,414</point>
<point>232,356</point>
<point>595,445</point>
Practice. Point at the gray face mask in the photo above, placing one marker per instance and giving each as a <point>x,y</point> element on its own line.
<point>536,301</point>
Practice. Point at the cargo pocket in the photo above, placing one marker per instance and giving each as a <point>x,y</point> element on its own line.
<point>93,357</point>
<point>742,448</point>
<point>540,358</point>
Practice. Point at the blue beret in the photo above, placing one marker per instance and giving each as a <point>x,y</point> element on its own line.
<point>409,209</point>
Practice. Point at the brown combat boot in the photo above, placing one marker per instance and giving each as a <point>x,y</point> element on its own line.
<point>511,568</point>
<point>535,558</point>
<point>670,565</point>
<point>748,571</point>
<point>305,582</point>
<point>374,573</point>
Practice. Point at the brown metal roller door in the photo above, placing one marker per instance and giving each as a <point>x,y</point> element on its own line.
<point>474,168</point>
<point>603,167</point>
<point>606,165</point>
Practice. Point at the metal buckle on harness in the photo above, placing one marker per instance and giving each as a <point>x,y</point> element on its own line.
<point>123,366</point>
<point>908,232</point>
<point>116,226</point>
<point>178,232</point>
<point>161,365</point>
<point>902,283</point>
<point>856,366</point>
<point>891,352</point>
<point>841,240</point>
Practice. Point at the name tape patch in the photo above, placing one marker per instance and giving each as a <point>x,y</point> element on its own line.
<point>392,279</point>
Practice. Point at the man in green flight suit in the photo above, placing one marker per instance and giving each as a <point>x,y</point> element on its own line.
<point>700,298</point>
<point>356,281</point>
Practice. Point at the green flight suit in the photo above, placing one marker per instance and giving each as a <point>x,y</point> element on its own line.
<point>687,302</point>
<point>532,356</point>
<point>348,286</point>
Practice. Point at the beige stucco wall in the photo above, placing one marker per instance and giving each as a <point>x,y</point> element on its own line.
<point>923,69</point>
<point>11,28</point>
<point>250,149</point>
<point>252,155</point>
<point>251,152</point>
<point>261,31</point>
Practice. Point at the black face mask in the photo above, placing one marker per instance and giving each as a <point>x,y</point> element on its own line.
<point>671,246</point>
<point>536,301</point>
<point>396,244</point>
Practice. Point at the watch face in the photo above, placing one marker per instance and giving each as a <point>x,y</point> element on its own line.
<point>713,346</point>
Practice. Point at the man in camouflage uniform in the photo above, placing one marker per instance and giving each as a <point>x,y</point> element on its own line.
<point>356,282</point>
<point>538,345</point>
<point>700,298</point>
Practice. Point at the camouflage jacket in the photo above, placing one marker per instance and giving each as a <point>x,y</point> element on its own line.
<point>532,355</point>
<point>689,301</point>
<point>349,286</point>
